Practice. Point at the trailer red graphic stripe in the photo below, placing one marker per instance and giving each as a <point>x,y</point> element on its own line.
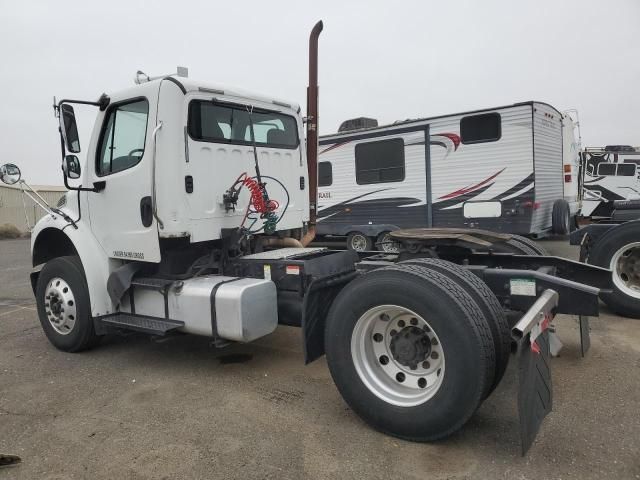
<point>468,189</point>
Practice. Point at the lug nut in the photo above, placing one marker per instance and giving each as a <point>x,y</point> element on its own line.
<point>414,321</point>
<point>392,332</point>
<point>377,337</point>
<point>434,341</point>
<point>384,359</point>
<point>401,323</point>
<point>384,317</point>
<point>434,355</point>
<point>426,329</point>
<point>426,365</point>
<point>400,377</point>
<point>422,382</point>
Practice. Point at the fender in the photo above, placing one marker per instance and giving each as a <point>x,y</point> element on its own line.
<point>49,240</point>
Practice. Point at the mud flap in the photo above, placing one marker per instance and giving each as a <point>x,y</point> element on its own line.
<point>535,392</point>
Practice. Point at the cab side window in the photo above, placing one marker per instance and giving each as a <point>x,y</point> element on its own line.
<point>123,137</point>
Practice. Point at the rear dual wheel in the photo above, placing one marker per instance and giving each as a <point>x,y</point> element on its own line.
<point>410,350</point>
<point>520,245</point>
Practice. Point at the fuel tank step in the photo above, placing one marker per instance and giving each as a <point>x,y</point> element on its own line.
<point>140,323</point>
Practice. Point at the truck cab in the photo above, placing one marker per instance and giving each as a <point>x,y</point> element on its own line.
<point>163,153</point>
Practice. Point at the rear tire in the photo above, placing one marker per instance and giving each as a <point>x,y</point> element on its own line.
<point>491,308</point>
<point>519,245</point>
<point>359,242</point>
<point>619,250</point>
<point>64,309</point>
<point>449,314</point>
<point>530,244</point>
<point>561,217</point>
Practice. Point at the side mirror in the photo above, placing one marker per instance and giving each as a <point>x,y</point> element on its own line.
<point>69,128</point>
<point>71,167</point>
<point>10,173</point>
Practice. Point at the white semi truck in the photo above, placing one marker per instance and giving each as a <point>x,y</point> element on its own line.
<point>191,213</point>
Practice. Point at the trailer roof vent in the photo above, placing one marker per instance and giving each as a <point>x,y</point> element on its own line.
<point>619,148</point>
<point>357,124</point>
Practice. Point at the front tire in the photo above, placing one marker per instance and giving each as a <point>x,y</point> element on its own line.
<point>64,309</point>
<point>439,351</point>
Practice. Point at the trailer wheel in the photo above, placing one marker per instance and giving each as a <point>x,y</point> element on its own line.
<point>561,217</point>
<point>619,250</point>
<point>359,242</point>
<point>62,299</point>
<point>410,351</point>
<point>491,308</point>
<point>386,243</point>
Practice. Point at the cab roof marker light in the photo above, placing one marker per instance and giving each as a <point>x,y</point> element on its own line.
<point>281,104</point>
<point>211,90</point>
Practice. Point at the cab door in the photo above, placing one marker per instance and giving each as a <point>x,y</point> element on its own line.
<point>122,213</point>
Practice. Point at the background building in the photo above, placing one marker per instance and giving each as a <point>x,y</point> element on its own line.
<point>19,210</point>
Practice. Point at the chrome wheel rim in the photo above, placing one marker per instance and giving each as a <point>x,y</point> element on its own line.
<point>390,353</point>
<point>625,265</point>
<point>60,306</point>
<point>359,243</point>
<point>388,244</point>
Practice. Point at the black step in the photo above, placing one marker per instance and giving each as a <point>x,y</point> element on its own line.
<point>151,282</point>
<point>140,323</point>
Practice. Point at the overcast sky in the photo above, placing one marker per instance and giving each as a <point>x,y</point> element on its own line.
<point>386,59</point>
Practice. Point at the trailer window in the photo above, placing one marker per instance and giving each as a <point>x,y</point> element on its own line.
<point>626,170</point>
<point>225,123</point>
<point>123,137</point>
<point>380,162</point>
<point>481,128</point>
<point>606,169</point>
<point>325,174</point>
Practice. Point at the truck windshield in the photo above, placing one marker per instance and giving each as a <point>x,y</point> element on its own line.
<point>223,123</point>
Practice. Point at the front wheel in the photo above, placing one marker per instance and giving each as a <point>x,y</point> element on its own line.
<point>64,309</point>
<point>410,351</point>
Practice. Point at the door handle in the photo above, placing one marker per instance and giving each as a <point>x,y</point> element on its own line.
<point>146,211</point>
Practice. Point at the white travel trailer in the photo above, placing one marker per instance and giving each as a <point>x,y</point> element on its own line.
<point>609,174</point>
<point>509,169</point>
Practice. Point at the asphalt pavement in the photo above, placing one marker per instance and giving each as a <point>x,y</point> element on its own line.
<point>139,408</point>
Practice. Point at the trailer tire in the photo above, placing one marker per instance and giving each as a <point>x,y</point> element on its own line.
<point>561,217</point>
<point>619,250</point>
<point>359,242</point>
<point>457,383</point>
<point>67,323</point>
<point>386,243</point>
<point>488,302</point>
